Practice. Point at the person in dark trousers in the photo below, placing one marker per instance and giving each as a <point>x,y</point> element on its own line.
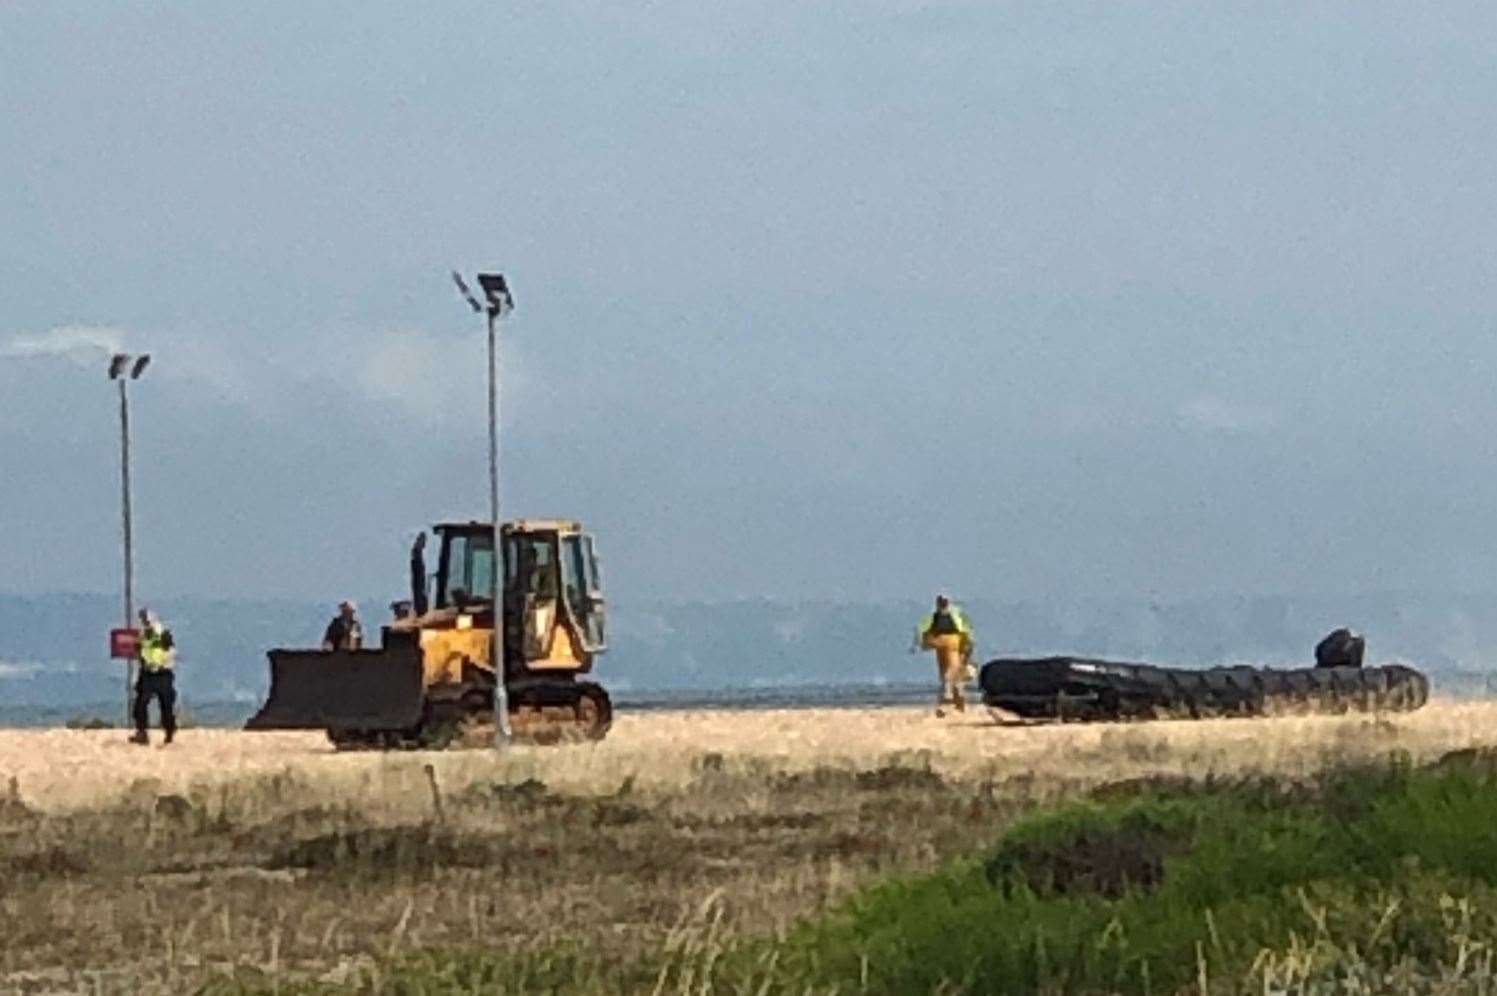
<point>345,632</point>
<point>157,659</point>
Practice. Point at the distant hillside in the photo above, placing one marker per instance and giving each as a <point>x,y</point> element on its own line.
<point>53,648</point>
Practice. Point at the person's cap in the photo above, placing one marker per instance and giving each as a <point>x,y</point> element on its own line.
<point>347,604</point>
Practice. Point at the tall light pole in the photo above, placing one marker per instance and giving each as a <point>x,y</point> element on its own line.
<point>124,368</point>
<point>498,303</point>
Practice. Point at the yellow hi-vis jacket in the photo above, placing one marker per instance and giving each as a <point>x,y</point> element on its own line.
<point>958,619</point>
<point>155,655</point>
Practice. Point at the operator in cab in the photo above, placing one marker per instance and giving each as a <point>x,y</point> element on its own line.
<point>345,632</point>
<point>947,632</point>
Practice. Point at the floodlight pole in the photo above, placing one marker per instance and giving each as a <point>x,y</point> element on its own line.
<point>502,731</point>
<point>125,502</point>
<point>123,369</point>
<point>128,539</point>
<point>496,294</point>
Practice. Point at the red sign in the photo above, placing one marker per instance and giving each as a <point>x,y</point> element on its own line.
<point>123,643</point>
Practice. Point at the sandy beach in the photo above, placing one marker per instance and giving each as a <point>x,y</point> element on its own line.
<point>59,770</point>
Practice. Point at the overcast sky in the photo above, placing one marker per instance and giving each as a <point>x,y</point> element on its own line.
<point>813,300</point>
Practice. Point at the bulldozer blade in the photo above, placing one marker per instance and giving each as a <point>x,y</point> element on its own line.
<point>343,689</point>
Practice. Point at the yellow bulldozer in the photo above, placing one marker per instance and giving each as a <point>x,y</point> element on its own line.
<point>432,681</point>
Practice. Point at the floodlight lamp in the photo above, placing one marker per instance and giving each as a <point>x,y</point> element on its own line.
<point>117,365</point>
<point>496,291</point>
<point>462,288</point>
<point>140,366</point>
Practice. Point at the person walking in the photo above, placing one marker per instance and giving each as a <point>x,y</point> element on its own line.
<point>156,679</point>
<point>947,632</point>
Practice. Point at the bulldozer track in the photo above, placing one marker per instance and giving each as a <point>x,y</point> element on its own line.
<point>542,713</point>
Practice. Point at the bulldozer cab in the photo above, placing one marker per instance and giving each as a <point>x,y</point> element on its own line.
<point>550,574</point>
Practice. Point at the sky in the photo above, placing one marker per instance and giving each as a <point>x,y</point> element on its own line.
<point>844,301</point>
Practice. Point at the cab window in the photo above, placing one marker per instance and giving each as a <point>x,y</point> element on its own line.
<point>530,568</point>
<point>583,597</point>
<point>469,568</point>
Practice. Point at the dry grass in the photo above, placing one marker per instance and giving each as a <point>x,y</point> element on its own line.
<point>231,850</point>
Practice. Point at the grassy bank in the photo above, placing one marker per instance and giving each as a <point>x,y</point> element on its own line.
<point>1374,873</point>
<point>1374,879</point>
<point>749,853</point>
<point>260,880</point>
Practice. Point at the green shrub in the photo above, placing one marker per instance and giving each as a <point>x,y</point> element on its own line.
<point>1157,891</point>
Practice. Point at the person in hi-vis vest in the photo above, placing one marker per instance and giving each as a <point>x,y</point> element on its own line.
<point>157,656</point>
<point>947,632</point>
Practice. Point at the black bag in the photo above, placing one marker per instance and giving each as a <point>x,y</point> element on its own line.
<point>1342,648</point>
